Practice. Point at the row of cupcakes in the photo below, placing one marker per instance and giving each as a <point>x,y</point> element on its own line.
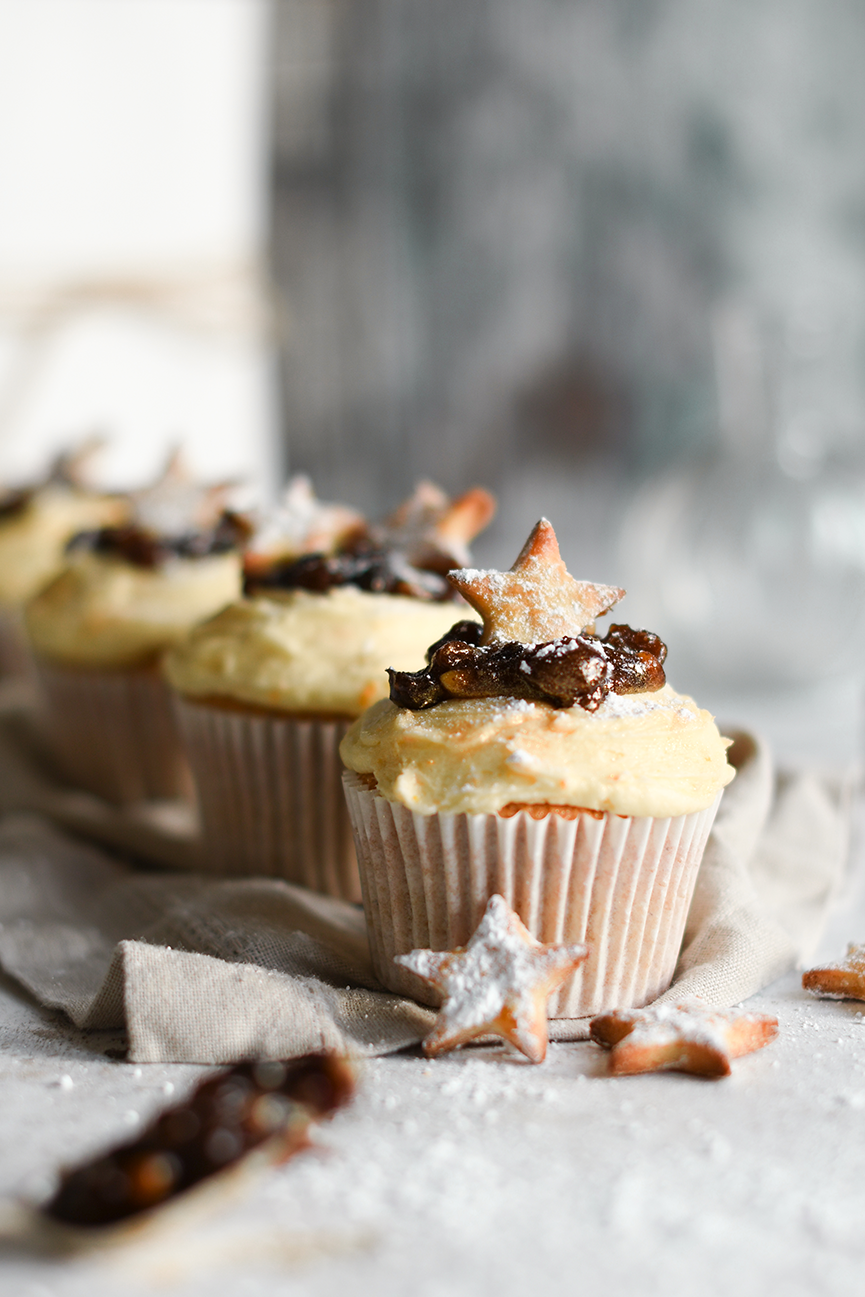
<point>36,523</point>
<point>530,758</point>
<point>191,635</point>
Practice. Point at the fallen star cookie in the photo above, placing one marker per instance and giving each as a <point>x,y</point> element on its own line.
<point>498,984</point>
<point>537,600</point>
<point>842,981</point>
<point>689,1037</point>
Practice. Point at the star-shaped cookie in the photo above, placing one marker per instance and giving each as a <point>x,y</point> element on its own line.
<point>537,600</point>
<point>177,503</point>
<point>498,984</point>
<point>433,530</point>
<point>689,1037</point>
<point>842,981</point>
<point>301,524</point>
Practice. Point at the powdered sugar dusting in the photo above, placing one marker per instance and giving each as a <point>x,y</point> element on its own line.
<point>301,523</point>
<point>615,706</point>
<point>665,1023</point>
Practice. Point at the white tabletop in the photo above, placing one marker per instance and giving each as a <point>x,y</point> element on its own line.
<point>479,1172</point>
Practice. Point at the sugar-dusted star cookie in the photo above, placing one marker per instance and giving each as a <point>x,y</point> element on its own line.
<point>689,1037</point>
<point>176,503</point>
<point>498,984</point>
<point>301,524</point>
<point>842,981</point>
<point>432,530</point>
<point>537,600</point>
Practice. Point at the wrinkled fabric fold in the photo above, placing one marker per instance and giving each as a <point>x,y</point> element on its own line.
<point>201,969</point>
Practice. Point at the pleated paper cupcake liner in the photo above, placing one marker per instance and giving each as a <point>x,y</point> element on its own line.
<point>622,885</point>
<point>270,797</point>
<point>113,733</point>
<point>15,656</point>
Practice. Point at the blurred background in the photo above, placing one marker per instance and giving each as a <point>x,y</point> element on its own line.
<point>606,257</point>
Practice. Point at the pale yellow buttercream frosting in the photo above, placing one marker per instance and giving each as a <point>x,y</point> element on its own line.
<point>102,611</point>
<point>654,754</point>
<point>308,652</point>
<point>33,539</point>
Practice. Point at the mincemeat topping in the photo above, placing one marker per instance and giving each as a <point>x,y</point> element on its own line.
<point>579,669</point>
<point>144,547</point>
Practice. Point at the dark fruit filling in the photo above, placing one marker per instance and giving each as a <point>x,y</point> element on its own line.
<point>226,1117</point>
<point>145,548</point>
<point>379,569</point>
<point>581,669</point>
<point>15,501</point>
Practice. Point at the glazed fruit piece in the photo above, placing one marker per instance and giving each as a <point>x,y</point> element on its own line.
<point>227,1117</point>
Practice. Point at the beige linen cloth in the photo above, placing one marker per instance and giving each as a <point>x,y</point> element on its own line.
<point>210,970</point>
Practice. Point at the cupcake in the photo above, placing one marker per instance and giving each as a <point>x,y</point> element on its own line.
<point>100,628</point>
<point>535,759</point>
<point>268,687</point>
<point>36,522</point>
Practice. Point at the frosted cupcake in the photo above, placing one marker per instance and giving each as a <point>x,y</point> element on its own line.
<point>267,688</point>
<point>100,628</point>
<point>534,759</point>
<point>36,523</point>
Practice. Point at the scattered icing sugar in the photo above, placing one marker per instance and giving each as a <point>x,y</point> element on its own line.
<point>614,707</point>
<point>619,705</point>
<point>518,759</point>
<point>506,708</point>
<point>565,644</point>
<point>524,666</point>
<point>593,670</point>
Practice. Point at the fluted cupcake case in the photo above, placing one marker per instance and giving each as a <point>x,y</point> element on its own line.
<point>269,795</point>
<point>113,733</point>
<point>15,658</point>
<point>622,885</point>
